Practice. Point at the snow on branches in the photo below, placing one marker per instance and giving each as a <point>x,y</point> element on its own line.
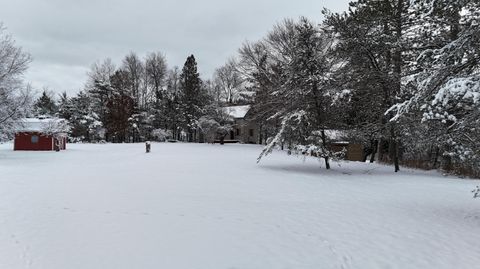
<point>442,88</point>
<point>15,97</point>
<point>55,126</point>
<point>288,122</point>
<point>457,93</point>
<point>301,140</point>
<point>319,151</point>
<point>161,134</point>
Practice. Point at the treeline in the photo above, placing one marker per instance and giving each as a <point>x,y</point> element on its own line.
<point>144,100</point>
<point>401,77</point>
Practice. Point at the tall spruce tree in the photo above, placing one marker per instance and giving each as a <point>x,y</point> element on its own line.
<point>193,99</point>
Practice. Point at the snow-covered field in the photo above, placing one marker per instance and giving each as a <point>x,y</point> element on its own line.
<point>204,206</point>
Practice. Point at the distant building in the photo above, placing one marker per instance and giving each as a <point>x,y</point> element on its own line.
<point>41,134</point>
<point>245,130</point>
<point>341,140</point>
<point>354,151</point>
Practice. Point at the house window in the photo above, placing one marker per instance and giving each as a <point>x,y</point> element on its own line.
<point>238,132</point>
<point>250,132</point>
<point>34,139</point>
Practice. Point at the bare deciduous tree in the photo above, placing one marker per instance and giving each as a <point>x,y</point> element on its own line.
<point>134,67</point>
<point>156,70</point>
<point>229,79</point>
<point>15,97</point>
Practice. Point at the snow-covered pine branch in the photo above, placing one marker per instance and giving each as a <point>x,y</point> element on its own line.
<point>288,121</point>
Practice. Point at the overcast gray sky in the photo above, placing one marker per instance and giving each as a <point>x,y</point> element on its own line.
<point>65,37</point>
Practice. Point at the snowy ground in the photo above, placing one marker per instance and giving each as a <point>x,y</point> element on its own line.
<point>204,206</point>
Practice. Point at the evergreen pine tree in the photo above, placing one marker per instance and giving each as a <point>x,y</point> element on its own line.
<point>45,105</point>
<point>193,99</point>
<point>65,106</point>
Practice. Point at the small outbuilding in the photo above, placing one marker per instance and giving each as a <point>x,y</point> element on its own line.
<point>341,140</point>
<point>354,151</point>
<point>41,134</point>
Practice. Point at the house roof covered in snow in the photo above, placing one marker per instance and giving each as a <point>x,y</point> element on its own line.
<point>44,125</point>
<point>336,135</point>
<point>237,112</point>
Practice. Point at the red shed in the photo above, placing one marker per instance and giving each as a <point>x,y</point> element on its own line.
<point>41,134</point>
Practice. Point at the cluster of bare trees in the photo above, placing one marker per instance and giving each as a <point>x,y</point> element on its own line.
<point>124,99</point>
<point>140,100</point>
<point>141,79</point>
<point>144,96</point>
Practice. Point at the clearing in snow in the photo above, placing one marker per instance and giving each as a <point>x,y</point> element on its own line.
<point>210,206</point>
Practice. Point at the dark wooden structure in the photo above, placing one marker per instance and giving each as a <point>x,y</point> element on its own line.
<point>354,152</point>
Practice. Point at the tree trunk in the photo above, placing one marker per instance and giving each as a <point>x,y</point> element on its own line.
<point>397,70</point>
<point>394,149</point>
<point>435,161</point>
<point>190,136</point>
<point>380,150</point>
<point>324,142</point>
<point>260,135</point>
<point>374,150</point>
<point>395,158</point>
<point>327,163</point>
